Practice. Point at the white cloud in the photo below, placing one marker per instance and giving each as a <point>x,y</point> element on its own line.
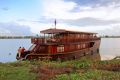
<point>62,10</point>
<point>57,8</point>
<point>13,28</point>
<point>113,30</point>
<point>100,16</point>
<point>65,11</point>
<point>35,27</point>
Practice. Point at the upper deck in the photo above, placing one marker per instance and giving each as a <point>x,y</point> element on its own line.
<point>56,31</point>
<point>61,36</point>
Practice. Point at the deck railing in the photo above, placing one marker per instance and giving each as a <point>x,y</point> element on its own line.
<point>37,40</point>
<point>44,40</point>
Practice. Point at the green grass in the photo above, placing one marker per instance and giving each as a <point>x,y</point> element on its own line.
<point>90,75</point>
<point>83,69</point>
<point>16,71</point>
<point>92,70</point>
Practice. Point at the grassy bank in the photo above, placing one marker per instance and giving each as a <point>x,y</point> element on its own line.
<point>16,71</point>
<point>83,69</point>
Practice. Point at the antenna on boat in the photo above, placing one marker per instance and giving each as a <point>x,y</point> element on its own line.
<point>55,23</point>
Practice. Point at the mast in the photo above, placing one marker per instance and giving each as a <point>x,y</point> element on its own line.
<point>55,23</point>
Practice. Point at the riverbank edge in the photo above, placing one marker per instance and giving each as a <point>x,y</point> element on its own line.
<point>83,69</point>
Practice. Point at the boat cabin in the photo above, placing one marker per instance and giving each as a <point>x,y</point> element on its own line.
<point>59,41</point>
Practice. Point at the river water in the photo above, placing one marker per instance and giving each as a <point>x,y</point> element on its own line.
<point>109,48</point>
<point>9,47</point>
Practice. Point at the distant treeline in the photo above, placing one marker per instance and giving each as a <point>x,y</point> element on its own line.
<point>110,36</point>
<point>15,37</point>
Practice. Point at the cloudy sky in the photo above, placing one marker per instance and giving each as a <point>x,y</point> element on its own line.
<point>28,17</point>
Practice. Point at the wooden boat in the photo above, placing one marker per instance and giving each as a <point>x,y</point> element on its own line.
<point>62,44</point>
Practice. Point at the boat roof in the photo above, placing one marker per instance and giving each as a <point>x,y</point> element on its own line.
<point>54,31</point>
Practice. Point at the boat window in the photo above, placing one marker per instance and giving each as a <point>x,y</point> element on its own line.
<point>84,45</point>
<point>78,46</point>
<point>82,35</point>
<point>60,48</point>
<point>78,35</point>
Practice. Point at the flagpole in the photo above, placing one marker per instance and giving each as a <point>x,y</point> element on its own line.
<point>55,23</point>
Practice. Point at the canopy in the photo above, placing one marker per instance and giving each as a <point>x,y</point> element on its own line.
<point>53,31</point>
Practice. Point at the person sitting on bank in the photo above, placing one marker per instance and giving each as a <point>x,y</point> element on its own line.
<point>19,52</point>
<point>23,50</point>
